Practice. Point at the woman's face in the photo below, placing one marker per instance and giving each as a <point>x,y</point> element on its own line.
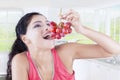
<point>38,34</point>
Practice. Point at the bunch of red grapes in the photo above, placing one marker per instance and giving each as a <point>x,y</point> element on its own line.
<point>60,30</point>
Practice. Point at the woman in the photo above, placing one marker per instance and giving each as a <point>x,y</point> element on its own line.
<point>34,56</point>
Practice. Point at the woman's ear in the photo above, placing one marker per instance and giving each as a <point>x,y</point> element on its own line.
<point>25,39</point>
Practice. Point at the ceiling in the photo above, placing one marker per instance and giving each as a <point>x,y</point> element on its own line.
<point>58,3</point>
<point>84,3</point>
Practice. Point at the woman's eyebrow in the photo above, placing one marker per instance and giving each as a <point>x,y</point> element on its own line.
<point>37,22</point>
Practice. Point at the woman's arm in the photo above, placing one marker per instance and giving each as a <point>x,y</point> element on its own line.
<point>105,45</point>
<point>102,40</point>
<point>19,69</point>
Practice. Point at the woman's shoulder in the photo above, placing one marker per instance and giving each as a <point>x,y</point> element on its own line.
<point>20,59</point>
<point>68,49</point>
<point>65,47</point>
<point>20,56</point>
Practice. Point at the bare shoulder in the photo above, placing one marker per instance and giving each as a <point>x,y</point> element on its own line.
<point>71,49</point>
<point>66,48</point>
<point>20,60</point>
<point>20,67</point>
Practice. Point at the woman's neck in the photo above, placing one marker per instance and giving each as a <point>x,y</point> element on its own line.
<point>39,54</point>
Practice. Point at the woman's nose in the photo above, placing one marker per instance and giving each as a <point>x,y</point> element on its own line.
<point>46,28</point>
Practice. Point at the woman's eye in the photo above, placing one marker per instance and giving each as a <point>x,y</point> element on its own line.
<point>37,26</point>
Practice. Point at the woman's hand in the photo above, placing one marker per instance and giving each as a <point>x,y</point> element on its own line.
<point>74,18</point>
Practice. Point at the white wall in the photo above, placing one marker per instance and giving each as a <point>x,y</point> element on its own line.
<point>58,3</point>
<point>3,63</point>
<point>23,3</point>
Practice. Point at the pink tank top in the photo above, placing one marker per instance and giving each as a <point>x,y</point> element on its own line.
<point>60,71</point>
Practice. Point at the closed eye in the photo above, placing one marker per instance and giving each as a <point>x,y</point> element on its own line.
<point>37,25</point>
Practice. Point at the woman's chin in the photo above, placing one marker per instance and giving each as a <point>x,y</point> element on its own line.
<point>51,43</point>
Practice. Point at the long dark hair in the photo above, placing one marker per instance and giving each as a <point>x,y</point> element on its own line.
<point>18,45</point>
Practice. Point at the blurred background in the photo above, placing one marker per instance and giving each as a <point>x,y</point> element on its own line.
<point>100,15</point>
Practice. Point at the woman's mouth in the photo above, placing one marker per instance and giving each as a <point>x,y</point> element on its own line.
<point>47,36</point>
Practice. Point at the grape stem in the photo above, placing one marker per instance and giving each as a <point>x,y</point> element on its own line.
<point>60,13</point>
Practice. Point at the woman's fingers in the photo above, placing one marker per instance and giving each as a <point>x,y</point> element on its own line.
<point>63,16</point>
<point>73,17</point>
<point>70,15</point>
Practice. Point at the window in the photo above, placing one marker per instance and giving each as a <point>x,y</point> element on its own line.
<point>115,27</point>
<point>106,20</point>
<point>8,21</point>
